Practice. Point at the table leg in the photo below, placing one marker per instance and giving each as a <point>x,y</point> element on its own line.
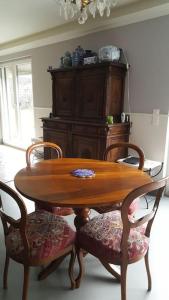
<point>82,217</point>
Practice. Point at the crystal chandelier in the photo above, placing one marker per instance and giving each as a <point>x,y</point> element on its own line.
<point>81,8</point>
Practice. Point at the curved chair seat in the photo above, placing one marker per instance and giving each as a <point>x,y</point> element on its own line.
<point>56,210</point>
<point>102,237</point>
<point>34,239</point>
<point>132,208</point>
<point>118,238</point>
<point>47,234</point>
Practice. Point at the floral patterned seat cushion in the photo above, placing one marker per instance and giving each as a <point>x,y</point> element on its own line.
<point>132,208</point>
<point>59,211</point>
<point>47,235</point>
<point>102,235</point>
<point>62,211</point>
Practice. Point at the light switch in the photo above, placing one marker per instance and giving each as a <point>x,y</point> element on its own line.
<point>155,117</point>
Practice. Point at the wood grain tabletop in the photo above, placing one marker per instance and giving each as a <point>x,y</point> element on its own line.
<point>51,181</point>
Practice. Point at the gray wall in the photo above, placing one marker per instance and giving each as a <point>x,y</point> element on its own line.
<point>147,47</point>
<point>0,131</point>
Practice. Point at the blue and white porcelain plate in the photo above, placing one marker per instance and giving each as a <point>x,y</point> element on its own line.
<point>83,173</point>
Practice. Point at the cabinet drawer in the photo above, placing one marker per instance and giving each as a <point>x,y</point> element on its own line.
<point>119,129</point>
<point>85,130</point>
<point>55,125</point>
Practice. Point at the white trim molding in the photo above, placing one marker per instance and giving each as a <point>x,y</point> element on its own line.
<point>152,138</point>
<point>40,112</point>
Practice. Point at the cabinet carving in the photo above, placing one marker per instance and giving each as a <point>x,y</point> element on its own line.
<point>82,98</point>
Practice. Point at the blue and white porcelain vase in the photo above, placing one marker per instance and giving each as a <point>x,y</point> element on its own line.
<point>66,60</point>
<point>77,57</point>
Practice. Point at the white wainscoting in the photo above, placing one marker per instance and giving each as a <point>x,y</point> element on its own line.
<point>40,112</point>
<point>153,139</point>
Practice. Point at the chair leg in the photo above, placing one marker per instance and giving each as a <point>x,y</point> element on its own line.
<point>148,270</point>
<point>51,268</point>
<point>5,275</point>
<point>110,269</point>
<point>71,267</point>
<point>80,255</point>
<point>25,283</point>
<point>146,201</point>
<point>123,280</point>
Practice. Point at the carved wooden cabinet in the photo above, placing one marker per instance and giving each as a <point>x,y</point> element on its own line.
<point>82,99</point>
<point>90,93</point>
<point>82,139</point>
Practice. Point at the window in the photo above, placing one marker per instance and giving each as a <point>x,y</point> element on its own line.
<point>17,103</point>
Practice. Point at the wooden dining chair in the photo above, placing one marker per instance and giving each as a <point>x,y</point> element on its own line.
<point>117,238</point>
<point>34,239</point>
<point>107,156</point>
<point>56,153</point>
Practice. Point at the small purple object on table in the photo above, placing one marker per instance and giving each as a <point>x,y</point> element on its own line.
<point>83,173</point>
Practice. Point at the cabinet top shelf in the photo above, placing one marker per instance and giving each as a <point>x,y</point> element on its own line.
<point>89,66</point>
<point>66,121</point>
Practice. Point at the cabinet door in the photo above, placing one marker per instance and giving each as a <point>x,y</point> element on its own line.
<point>63,93</point>
<point>115,93</point>
<point>59,138</point>
<point>85,147</point>
<point>91,94</point>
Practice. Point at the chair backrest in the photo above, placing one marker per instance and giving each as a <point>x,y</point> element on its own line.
<point>8,221</point>
<point>35,146</point>
<point>126,146</point>
<point>148,218</point>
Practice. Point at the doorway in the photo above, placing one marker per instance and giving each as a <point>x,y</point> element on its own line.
<point>17,103</point>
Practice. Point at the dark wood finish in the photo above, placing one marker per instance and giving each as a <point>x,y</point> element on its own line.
<point>122,259</point>
<point>89,92</point>
<point>84,140</point>
<point>56,186</point>
<point>63,90</point>
<point>5,275</point>
<point>55,151</point>
<point>82,98</point>
<point>20,224</point>
<point>82,217</point>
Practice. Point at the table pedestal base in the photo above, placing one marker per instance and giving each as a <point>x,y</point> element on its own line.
<point>82,217</point>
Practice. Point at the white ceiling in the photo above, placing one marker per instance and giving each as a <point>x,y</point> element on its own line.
<point>25,20</point>
<point>19,18</point>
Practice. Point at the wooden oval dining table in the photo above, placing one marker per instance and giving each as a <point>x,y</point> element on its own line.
<point>51,182</point>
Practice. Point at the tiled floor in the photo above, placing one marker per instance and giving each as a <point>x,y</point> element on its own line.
<point>11,160</point>
<point>97,283</point>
